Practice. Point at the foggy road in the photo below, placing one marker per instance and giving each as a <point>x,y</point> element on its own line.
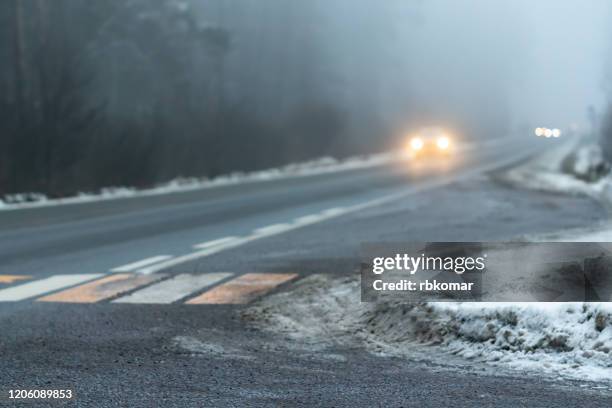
<point>192,192</point>
<point>101,236</point>
<point>167,250</point>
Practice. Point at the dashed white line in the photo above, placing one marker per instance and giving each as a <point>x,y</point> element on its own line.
<point>308,219</point>
<point>273,229</point>
<point>140,264</point>
<point>276,229</point>
<point>194,255</point>
<point>40,287</point>
<point>209,244</point>
<point>334,212</point>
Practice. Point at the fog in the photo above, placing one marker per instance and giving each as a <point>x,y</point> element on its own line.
<point>139,92</point>
<point>568,50</point>
<point>517,62</point>
<point>513,63</point>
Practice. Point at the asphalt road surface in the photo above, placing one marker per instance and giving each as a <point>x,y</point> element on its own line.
<point>135,302</point>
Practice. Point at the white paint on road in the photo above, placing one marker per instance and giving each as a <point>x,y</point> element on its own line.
<point>220,241</point>
<point>264,232</point>
<point>139,264</point>
<point>40,287</point>
<point>308,219</point>
<point>173,289</point>
<point>334,212</point>
<point>273,229</point>
<point>194,255</point>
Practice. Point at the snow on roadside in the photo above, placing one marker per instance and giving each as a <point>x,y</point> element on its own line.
<point>572,340</point>
<point>314,167</point>
<point>564,340</point>
<point>544,173</point>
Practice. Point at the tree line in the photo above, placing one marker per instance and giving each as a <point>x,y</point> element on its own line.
<point>138,92</point>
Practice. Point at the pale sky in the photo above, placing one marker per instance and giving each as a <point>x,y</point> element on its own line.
<point>549,56</point>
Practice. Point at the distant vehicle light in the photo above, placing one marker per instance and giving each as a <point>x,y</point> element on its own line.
<point>548,133</point>
<point>416,143</point>
<point>443,143</point>
<point>539,132</point>
<point>556,133</point>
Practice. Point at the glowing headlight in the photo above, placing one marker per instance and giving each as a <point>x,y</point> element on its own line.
<point>548,133</point>
<point>416,143</point>
<point>443,143</point>
<point>539,132</point>
<point>556,133</point>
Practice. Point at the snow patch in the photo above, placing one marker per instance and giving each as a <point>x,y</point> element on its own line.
<point>544,173</point>
<point>569,340</point>
<point>573,340</point>
<point>574,167</point>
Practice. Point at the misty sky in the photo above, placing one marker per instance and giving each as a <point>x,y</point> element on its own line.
<point>570,50</point>
<point>548,56</point>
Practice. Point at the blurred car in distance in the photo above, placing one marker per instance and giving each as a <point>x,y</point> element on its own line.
<point>430,141</point>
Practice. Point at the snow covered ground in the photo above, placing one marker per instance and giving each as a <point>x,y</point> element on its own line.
<point>560,340</point>
<point>546,172</point>
<point>320,166</point>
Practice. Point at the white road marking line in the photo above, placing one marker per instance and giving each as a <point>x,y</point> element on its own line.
<point>326,215</point>
<point>215,242</point>
<point>195,255</point>
<point>308,219</point>
<point>40,287</point>
<point>273,229</point>
<point>139,264</point>
<point>173,289</point>
<point>334,212</point>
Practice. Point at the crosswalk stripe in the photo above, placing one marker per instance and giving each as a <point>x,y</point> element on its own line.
<point>139,264</point>
<point>243,289</point>
<point>13,278</point>
<point>40,287</point>
<point>101,289</point>
<point>173,289</point>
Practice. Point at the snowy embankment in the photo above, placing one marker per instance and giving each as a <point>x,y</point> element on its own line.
<point>563,340</point>
<point>314,167</point>
<point>573,167</point>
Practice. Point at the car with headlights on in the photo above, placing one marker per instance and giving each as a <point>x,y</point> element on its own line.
<point>429,141</point>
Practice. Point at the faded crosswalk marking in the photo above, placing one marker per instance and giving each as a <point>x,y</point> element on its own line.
<point>101,289</point>
<point>135,288</point>
<point>173,289</point>
<point>42,286</point>
<point>243,289</point>
<point>13,278</point>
